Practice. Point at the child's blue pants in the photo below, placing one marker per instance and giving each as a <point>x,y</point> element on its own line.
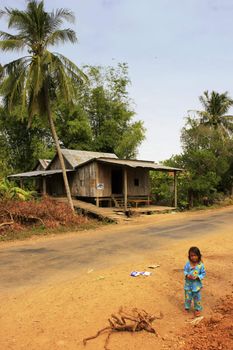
<point>196,297</point>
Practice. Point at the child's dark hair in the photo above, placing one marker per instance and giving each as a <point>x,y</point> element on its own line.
<point>195,251</point>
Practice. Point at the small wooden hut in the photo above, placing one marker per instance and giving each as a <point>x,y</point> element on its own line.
<point>101,178</point>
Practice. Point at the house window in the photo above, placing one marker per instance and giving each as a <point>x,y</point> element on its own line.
<point>136,182</point>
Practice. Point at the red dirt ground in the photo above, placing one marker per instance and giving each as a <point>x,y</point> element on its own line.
<point>216,332</point>
<point>59,314</point>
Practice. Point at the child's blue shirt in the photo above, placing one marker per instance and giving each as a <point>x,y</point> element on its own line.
<point>197,271</point>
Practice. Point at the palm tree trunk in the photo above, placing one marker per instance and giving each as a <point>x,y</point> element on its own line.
<point>60,156</point>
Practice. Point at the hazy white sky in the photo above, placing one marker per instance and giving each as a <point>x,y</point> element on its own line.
<point>175,50</point>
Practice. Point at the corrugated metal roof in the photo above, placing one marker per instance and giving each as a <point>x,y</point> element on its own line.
<point>42,163</point>
<point>75,157</point>
<point>38,173</point>
<point>138,164</point>
<point>80,158</point>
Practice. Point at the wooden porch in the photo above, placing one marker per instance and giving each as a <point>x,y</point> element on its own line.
<point>126,200</point>
<point>115,214</point>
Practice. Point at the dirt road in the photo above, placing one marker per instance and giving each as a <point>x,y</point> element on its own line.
<point>57,291</point>
<point>35,262</point>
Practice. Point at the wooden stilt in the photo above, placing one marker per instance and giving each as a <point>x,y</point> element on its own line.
<point>125,189</point>
<point>149,186</point>
<point>97,181</point>
<point>44,185</point>
<point>175,189</point>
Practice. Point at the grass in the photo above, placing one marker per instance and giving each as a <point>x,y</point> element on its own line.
<point>40,231</point>
<point>221,204</point>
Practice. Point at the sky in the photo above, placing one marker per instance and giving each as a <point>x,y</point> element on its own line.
<point>175,50</point>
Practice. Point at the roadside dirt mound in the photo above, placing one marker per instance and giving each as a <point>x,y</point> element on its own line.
<point>216,332</point>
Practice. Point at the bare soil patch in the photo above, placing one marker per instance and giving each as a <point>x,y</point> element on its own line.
<point>59,314</point>
<point>215,332</point>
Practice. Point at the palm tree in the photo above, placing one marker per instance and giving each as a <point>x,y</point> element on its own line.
<point>36,81</point>
<point>214,115</point>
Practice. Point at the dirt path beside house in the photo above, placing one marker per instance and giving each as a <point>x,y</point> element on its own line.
<point>58,314</point>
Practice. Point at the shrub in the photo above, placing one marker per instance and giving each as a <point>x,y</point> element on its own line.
<point>8,191</point>
<point>46,212</point>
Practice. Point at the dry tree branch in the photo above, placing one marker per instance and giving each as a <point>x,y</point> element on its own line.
<point>24,217</point>
<point>18,217</point>
<point>135,321</point>
<point>97,334</point>
<point>7,223</point>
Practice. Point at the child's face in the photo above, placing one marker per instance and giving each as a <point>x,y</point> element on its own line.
<point>193,257</point>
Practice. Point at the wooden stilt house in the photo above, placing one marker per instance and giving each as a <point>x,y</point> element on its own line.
<point>100,178</point>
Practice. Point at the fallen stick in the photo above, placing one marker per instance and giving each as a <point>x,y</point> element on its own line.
<point>20,217</point>
<point>6,223</point>
<point>97,334</point>
<point>23,217</point>
<point>133,321</point>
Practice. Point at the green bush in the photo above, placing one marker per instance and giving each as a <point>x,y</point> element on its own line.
<point>8,190</point>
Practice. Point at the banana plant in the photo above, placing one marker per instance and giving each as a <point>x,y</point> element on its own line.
<point>9,190</point>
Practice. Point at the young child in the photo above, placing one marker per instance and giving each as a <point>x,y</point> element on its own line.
<point>194,272</point>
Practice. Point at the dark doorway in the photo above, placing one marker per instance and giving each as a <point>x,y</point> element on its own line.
<point>117,181</point>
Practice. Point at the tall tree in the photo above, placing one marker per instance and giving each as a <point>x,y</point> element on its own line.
<point>73,127</point>
<point>207,159</point>
<point>104,114</point>
<point>23,147</point>
<point>37,80</point>
<point>215,114</point>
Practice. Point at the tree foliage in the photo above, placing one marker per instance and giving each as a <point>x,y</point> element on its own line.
<point>22,147</point>
<point>162,188</point>
<point>103,118</point>
<point>8,191</point>
<point>207,156</point>
<point>215,112</point>
<point>37,81</point>
<point>98,122</point>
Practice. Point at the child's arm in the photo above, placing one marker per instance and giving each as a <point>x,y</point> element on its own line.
<point>186,269</point>
<point>202,273</point>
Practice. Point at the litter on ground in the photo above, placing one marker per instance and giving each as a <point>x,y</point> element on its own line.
<point>197,320</point>
<point>140,273</point>
<point>153,266</point>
